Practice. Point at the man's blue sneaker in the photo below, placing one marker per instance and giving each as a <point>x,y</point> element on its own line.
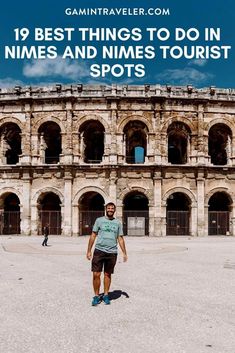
<point>106,299</point>
<point>95,300</point>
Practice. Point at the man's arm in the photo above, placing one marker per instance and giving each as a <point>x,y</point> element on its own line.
<point>123,247</point>
<point>90,244</point>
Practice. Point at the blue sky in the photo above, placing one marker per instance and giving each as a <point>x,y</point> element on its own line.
<point>51,13</point>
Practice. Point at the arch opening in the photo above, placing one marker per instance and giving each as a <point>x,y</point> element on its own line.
<point>50,142</point>
<point>136,141</point>
<point>178,140</point>
<point>50,213</point>
<point>220,139</point>
<point>219,210</point>
<point>10,135</point>
<point>92,136</point>
<point>10,214</point>
<point>91,206</point>
<point>136,214</point>
<point>178,213</point>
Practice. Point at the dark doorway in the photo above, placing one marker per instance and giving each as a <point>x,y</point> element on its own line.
<point>136,141</point>
<point>92,133</point>
<point>136,214</point>
<point>219,214</point>
<point>220,138</point>
<point>50,131</point>
<point>178,137</point>
<point>10,217</point>
<point>91,206</point>
<point>50,213</point>
<point>11,138</point>
<point>178,214</point>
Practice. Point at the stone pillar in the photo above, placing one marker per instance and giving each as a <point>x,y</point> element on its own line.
<point>67,209</point>
<point>157,123</point>
<point>188,150</point>
<point>34,219</point>
<point>25,158</point>
<point>26,209</point>
<point>157,187</point>
<point>75,220</point>
<point>206,208</point>
<point>3,148</point>
<point>66,157</point>
<point>202,154</point>
<point>76,140</point>
<point>113,153</point>
<point>232,221</point>
<point>35,147</point>
<point>229,150</point>
<point>107,144</point>
<point>193,220</point>
<point>164,148</point>
<point>113,186</point>
<point>233,151</point>
<point>42,149</point>
<point>163,218</point>
<point>201,231</point>
<point>151,220</point>
<point>120,156</point>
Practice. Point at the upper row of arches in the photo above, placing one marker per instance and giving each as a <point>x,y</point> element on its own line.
<point>135,141</point>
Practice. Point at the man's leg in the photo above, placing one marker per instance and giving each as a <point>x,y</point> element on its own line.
<point>96,282</point>
<point>107,282</point>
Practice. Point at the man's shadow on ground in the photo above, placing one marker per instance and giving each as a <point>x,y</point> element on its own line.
<point>116,294</point>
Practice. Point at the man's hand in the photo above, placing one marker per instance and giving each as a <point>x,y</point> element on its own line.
<point>88,255</point>
<point>124,257</point>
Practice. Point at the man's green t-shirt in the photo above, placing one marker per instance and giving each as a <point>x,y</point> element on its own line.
<point>108,231</point>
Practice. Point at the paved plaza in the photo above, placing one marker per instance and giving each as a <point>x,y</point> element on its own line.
<point>174,295</point>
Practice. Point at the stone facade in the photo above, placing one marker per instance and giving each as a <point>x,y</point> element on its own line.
<point>66,149</point>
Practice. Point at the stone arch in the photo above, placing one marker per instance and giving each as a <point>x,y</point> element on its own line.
<point>14,120</point>
<point>47,190</point>
<point>88,189</point>
<point>219,189</point>
<point>136,212</point>
<point>180,119</point>
<point>220,207</point>
<point>86,118</point>
<point>8,190</point>
<point>224,121</point>
<point>139,189</point>
<point>182,190</point>
<point>126,120</point>
<point>10,209</point>
<point>47,119</point>
<point>220,137</point>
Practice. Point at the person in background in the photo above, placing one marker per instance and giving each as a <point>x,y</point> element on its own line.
<point>45,233</point>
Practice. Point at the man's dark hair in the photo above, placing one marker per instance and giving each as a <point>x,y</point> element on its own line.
<point>110,204</point>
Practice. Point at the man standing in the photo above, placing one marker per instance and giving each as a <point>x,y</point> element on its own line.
<point>109,231</point>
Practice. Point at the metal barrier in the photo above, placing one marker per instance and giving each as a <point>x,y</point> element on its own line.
<point>9,222</point>
<point>136,222</point>
<point>53,219</point>
<point>87,220</point>
<point>177,222</point>
<point>218,222</point>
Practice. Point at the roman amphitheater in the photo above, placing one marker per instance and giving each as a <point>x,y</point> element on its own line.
<point>164,154</point>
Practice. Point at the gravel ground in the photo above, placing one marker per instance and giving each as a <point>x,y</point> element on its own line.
<point>174,295</point>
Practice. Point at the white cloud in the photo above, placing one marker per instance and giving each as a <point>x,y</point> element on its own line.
<point>198,62</point>
<point>9,82</point>
<point>59,67</point>
<point>184,76</point>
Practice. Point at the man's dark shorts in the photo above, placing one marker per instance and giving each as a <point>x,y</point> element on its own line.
<point>102,260</point>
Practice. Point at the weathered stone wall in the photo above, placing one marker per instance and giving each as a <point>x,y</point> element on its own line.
<point>114,107</point>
